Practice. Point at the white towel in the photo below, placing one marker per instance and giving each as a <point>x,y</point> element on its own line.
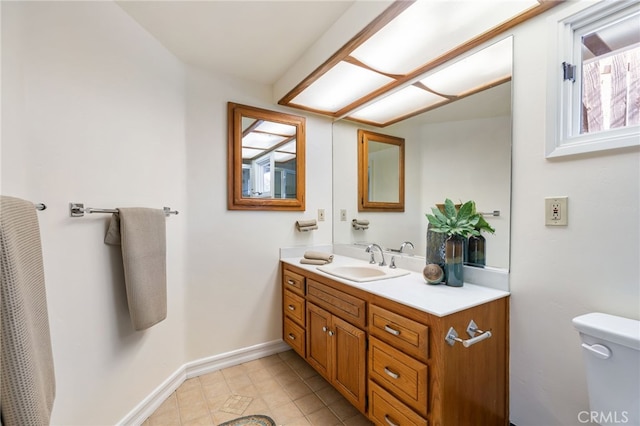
<point>360,224</point>
<point>142,235</point>
<point>316,258</point>
<point>306,225</point>
<point>27,379</point>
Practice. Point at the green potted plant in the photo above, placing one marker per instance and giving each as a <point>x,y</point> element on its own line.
<point>457,224</point>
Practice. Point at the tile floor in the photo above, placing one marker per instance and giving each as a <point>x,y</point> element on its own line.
<point>282,386</point>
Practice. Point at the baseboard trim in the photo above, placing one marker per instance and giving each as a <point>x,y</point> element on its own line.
<point>144,409</point>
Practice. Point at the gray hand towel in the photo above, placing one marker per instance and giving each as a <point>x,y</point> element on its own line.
<point>142,236</point>
<point>27,380</point>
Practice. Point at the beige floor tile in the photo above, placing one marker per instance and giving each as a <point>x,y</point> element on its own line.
<point>200,421</point>
<point>323,417</point>
<point>343,409</point>
<point>286,413</point>
<point>309,404</point>
<point>282,386</point>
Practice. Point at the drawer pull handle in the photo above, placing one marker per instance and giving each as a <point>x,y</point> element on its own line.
<point>391,373</point>
<point>292,337</point>
<point>391,330</point>
<point>292,308</point>
<point>291,282</point>
<point>388,420</point>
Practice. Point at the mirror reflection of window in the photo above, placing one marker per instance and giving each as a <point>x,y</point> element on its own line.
<point>384,176</point>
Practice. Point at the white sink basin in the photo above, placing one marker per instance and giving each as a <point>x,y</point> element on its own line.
<point>362,273</point>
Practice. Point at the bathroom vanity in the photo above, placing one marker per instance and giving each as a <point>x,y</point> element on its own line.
<point>401,351</point>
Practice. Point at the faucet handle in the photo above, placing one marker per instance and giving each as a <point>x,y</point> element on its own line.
<point>392,264</point>
<point>372,258</point>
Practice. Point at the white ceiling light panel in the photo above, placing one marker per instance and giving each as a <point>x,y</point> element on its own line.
<point>429,28</point>
<point>339,87</point>
<point>400,103</point>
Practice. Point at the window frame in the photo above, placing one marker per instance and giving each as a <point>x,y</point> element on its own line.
<point>564,98</point>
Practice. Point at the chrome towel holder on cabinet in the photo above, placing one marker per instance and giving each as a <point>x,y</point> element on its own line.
<point>472,329</point>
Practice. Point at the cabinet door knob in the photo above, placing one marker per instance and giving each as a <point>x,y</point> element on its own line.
<point>292,337</point>
<point>324,329</point>
<point>391,330</point>
<point>330,333</point>
<point>391,373</point>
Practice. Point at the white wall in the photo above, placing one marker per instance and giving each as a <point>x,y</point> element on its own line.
<point>558,273</point>
<point>233,298</point>
<point>93,112</point>
<point>97,111</point>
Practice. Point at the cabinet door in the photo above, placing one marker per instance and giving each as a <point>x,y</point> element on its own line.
<point>318,324</point>
<point>348,348</point>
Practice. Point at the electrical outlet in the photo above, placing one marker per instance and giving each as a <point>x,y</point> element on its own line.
<point>320,215</point>
<point>555,211</point>
<point>343,215</point>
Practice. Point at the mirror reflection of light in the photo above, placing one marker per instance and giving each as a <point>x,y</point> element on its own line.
<point>488,65</point>
<point>398,104</point>
<point>261,140</point>
<point>276,128</point>
<point>340,86</point>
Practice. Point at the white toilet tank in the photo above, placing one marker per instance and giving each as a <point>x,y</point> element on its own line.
<point>611,350</point>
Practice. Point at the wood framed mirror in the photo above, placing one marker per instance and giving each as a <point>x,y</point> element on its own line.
<point>266,159</point>
<point>380,172</point>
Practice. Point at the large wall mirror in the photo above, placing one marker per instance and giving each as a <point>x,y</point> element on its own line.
<point>380,172</point>
<point>266,159</point>
<point>460,151</point>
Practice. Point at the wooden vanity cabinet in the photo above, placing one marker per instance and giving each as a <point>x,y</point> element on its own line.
<point>391,361</point>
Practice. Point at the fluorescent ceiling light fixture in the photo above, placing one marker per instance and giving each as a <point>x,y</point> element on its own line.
<point>400,103</point>
<point>404,43</point>
<point>261,140</point>
<point>281,157</point>
<point>489,65</point>
<point>248,153</point>
<point>288,147</point>
<point>276,128</point>
<point>339,87</point>
<point>429,28</point>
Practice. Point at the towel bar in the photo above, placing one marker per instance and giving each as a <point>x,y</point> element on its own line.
<point>78,210</point>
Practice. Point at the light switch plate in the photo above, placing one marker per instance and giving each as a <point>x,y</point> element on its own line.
<point>555,211</point>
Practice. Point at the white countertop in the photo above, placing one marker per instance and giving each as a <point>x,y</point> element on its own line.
<point>412,290</point>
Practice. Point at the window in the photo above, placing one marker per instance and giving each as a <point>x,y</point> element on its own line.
<point>594,97</point>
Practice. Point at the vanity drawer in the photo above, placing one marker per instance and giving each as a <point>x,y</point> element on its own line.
<point>399,331</point>
<point>386,410</point>
<point>341,304</point>
<point>294,335</point>
<point>293,306</point>
<point>402,375</point>
<point>293,281</point>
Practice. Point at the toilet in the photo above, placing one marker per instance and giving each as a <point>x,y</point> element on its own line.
<point>611,350</point>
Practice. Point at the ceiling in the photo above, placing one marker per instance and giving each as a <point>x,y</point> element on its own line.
<point>254,40</point>
<point>260,40</point>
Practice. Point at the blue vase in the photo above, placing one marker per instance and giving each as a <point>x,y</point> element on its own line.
<point>454,261</point>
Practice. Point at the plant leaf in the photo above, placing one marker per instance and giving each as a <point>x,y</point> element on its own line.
<point>450,209</point>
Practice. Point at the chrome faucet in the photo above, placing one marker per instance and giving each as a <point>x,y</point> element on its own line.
<point>370,248</point>
<point>402,246</point>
